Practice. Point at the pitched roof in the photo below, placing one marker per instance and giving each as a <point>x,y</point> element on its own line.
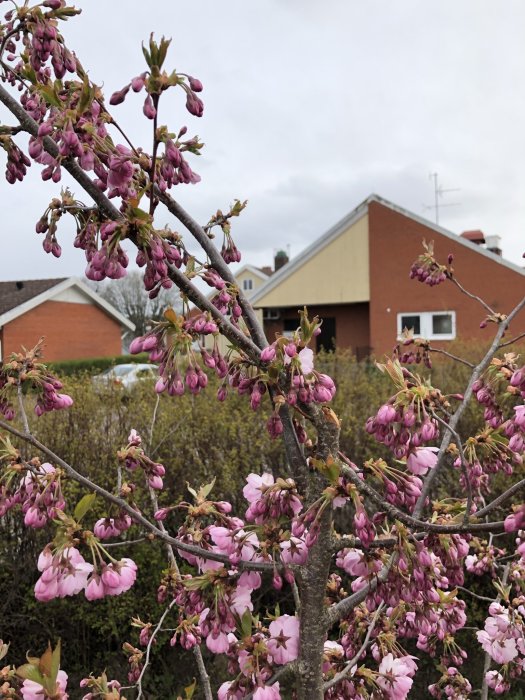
<point>15,293</point>
<point>341,226</point>
<point>17,298</point>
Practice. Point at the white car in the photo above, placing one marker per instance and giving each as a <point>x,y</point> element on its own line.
<point>125,375</point>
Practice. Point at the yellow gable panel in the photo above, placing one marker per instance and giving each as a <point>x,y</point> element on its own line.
<point>336,274</point>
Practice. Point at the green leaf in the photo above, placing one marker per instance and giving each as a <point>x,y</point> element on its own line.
<point>84,505</point>
<point>146,55</point>
<point>49,95</point>
<point>190,689</point>
<point>192,491</point>
<point>205,490</point>
<point>246,624</point>
<point>31,673</point>
<point>55,662</point>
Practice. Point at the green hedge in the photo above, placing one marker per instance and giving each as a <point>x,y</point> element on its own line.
<point>90,364</point>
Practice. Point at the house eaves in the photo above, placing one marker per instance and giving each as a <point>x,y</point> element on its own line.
<point>448,234</point>
<point>310,252</point>
<point>52,292</point>
<point>341,226</point>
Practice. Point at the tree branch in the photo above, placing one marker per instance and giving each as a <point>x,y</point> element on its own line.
<point>136,516</point>
<point>111,212</point>
<point>432,475</point>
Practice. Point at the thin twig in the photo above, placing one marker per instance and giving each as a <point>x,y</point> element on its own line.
<point>474,595</point>
<point>512,340</point>
<point>148,648</point>
<point>343,608</point>
<point>203,673</point>
<point>472,296</point>
<point>480,367</point>
<point>501,498</point>
<point>409,520</point>
<point>456,358</point>
<point>348,666</point>
<point>464,467</point>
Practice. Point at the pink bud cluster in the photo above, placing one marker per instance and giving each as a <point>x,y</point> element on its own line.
<point>23,369</point>
<point>17,161</point>
<point>426,269</point>
<point>39,493</point>
<point>105,528</point>
<point>402,427</point>
<point>452,685</point>
<point>134,457</point>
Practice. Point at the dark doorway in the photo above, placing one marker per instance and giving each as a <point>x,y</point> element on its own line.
<point>326,339</point>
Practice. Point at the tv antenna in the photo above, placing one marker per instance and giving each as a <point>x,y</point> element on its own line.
<point>439,191</point>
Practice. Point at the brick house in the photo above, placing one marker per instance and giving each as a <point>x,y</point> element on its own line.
<point>75,321</point>
<point>356,278</point>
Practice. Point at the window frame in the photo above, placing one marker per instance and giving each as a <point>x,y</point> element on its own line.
<point>425,324</point>
<point>247,285</point>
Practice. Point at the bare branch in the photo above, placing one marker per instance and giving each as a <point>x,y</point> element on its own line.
<point>456,358</point>
<point>472,296</point>
<point>148,648</point>
<point>501,498</point>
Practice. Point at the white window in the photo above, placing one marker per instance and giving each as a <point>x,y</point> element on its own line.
<point>247,285</point>
<point>432,325</point>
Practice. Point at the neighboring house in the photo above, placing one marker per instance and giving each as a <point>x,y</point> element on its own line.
<point>356,278</point>
<point>250,278</point>
<point>75,321</point>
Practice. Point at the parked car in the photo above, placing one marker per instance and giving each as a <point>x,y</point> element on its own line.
<point>126,376</point>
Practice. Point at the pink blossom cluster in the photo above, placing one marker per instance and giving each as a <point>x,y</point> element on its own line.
<point>503,636</point>
<point>269,499</point>
<point>67,573</point>
<point>100,688</point>
<point>253,659</point>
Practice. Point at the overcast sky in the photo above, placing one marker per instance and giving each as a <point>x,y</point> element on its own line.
<point>310,107</point>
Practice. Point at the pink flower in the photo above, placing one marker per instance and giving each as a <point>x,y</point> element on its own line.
<point>395,676</point>
<point>294,551</point>
<point>306,360</point>
<point>501,649</point>
<point>256,485</point>
<point>267,692</point>
<point>283,644</point>
<point>34,691</point>
<point>421,460</point>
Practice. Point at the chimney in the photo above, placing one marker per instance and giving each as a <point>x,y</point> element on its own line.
<point>493,244</point>
<point>476,236</point>
<point>19,285</point>
<point>280,260</point>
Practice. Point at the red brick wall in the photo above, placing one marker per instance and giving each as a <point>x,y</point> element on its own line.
<point>351,324</point>
<point>72,331</point>
<point>395,242</point>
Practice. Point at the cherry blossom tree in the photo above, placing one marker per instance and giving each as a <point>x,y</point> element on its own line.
<point>361,597</point>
